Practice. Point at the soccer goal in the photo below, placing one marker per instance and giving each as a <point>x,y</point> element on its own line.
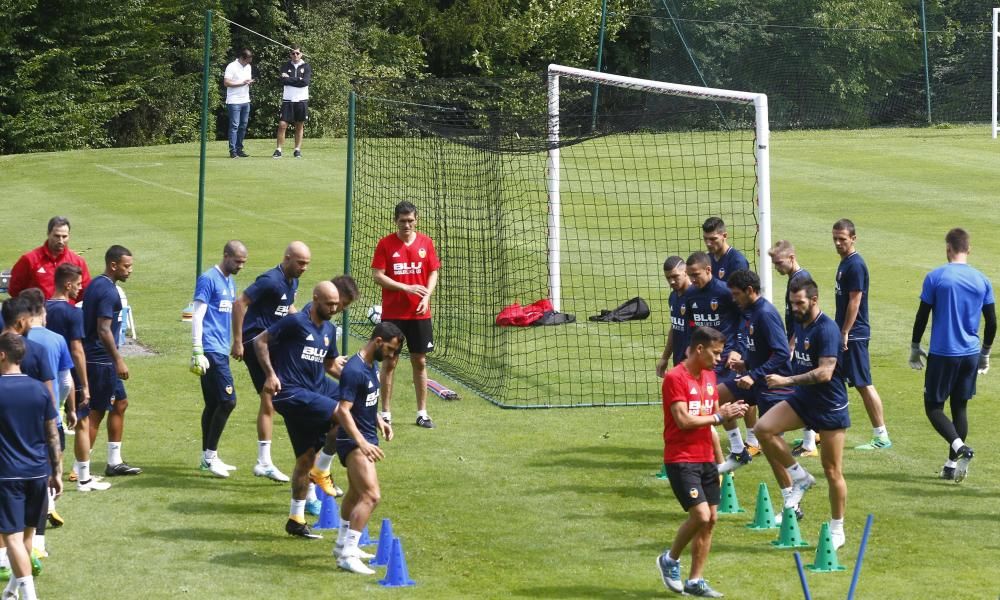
<point>575,191</point>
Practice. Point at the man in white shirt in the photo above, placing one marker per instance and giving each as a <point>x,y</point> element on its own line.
<point>238,78</point>
<point>295,75</point>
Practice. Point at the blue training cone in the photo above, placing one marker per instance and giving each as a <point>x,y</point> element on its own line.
<point>366,539</point>
<point>329,517</point>
<point>397,574</point>
<point>384,545</point>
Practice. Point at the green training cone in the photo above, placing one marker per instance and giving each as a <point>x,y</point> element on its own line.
<point>763,515</point>
<point>662,474</point>
<point>729,504</point>
<point>789,536</point>
<point>826,554</point>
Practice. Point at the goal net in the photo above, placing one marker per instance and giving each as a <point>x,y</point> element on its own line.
<point>575,191</point>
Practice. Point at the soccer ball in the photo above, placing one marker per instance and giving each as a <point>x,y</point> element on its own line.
<point>375,314</point>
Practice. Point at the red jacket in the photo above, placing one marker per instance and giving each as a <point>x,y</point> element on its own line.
<point>38,269</point>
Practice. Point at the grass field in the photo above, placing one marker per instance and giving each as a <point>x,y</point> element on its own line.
<point>494,503</point>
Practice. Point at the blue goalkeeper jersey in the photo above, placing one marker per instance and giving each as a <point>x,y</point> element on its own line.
<point>217,291</point>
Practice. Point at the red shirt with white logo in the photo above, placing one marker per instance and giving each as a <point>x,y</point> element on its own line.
<point>701,396</point>
<point>38,269</point>
<point>411,264</point>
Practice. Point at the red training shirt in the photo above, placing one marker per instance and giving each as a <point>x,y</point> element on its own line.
<point>38,269</point>
<point>702,398</point>
<point>410,264</point>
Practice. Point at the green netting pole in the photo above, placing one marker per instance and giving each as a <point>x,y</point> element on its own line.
<point>600,58</point>
<point>351,101</point>
<point>204,139</point>
<point>927,69</point>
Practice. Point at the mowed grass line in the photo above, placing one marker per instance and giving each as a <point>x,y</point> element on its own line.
<point>495,503</point>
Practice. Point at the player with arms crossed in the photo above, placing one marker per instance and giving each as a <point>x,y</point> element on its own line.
<point>690,409</point>
<point>357,442</point>
<point>957,295</point>
<point>406,266</point>
<point>819,401</point>
<point>852,318</point>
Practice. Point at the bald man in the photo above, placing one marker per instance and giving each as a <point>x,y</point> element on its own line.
<point>264,303</point>
<point>297,353</point>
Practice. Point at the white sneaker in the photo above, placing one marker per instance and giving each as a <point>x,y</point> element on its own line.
<point>215,467</point>
<point>338,552</point>
<point>94,484</point>
<point>269,471</point>
<point>354,565</point>
<point>838,538</point>
<point>799,489</point>
<point>224,465</point>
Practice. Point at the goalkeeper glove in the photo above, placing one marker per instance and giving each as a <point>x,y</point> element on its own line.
<point>984,363</point>
<point>199,363</point>
<point>917,356</point>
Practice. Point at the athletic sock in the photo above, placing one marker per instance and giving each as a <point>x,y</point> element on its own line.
<point>836,525</point>
<point>26,587</point>
<point>351,541</point>
<point>298,511</point>
<point>114,453</point>
<point>264,452</point>
<point>880,432</point>
<point>752,438</point>
<point>209,455</point>
<point>735,441</point>
<point>950,464</point>
<point>38,542</point>
<point>785,493</point>
<point>4,561</point>
<point>11,588</point>
<point>323,461</point>
<point>809,439</point>
<point>345,526</point>
<point>423,413</point>
<point>311,494</point>
<point>957,444</point>
<point>796,472</point>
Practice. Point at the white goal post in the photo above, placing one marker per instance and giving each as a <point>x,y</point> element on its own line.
<point>761,152</point>
<point>994,37</point>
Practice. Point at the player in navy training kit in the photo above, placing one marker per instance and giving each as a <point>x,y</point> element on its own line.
<point>819,402</point>
<point>269,298</point>
<point>675,272</point>
<point>709,303</point>
<point>211,326</point>
<point>852,318</point>
<point>357,441</point>
<point>30,462</point>
<point>725,258</point>
<point>783,258</point>
<point>297,353</point>
<point>957,294</point>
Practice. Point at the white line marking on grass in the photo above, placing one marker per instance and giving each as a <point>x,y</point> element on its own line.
<point>231,207</point>
<point>134,165</point>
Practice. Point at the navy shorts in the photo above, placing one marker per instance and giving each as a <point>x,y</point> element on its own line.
<point>816,420</point>
<point>105,387</point>
<point>855,365</point>
<point>950,376</point>
<point>257,375</point>
<point>694,483</point>
<point>418,333</point>
<point>217,383</point>
<point>769,397</point>
<point>345,447</point>
<point>23,502</point>
<point>308,416</point>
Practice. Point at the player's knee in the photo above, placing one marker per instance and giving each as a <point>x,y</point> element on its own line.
<point>228,406</point>
<point>372,496</point>
<point>418,360</point>
<point>120,406</point>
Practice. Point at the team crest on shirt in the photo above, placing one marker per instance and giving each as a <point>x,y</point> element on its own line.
<point>714,304</point>
<point>422,253</point>
<point>693,492</point>
<point>805,343</point>
<point>229,389</point>
<point>751,330</point>
<point>683,309</point>
<point>722,273</point>
<point>710,389</point>
<point>326,340</point>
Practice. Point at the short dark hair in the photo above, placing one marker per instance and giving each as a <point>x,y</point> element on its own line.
<point>672,263</point>
<point>232,247</point>
<point>13,309</point>
<point>12,345</point>
<point>704,336</point>
<point>387,331</point>
<point>115,254</point>
<point>65,273</point>
<point>845,225</point>
<point>807,285</point>
<point>699,259</point>
<point>744,279</point>
<point>346,287</point>
<point>958,240</point>
<point>246,54</point>
<point>58,222</point>
<point>35,299</point>
<point>404,208</point>
<point>713,224</point>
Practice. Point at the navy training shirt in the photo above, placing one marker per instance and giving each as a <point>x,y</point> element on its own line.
<point>852,276</point>
<point>359,385</point>
<point>25,408</point>
<point>298,349</point>
<point>64,319</point>
<point>103,301</point>
<point>271,296</point>
<point>713,306</point>
<point>812,342</point>
<point>732,261</point>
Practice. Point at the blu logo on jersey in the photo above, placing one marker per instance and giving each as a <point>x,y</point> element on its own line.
<point>313,354</point>
<point>371,399</point>
<point>408,268</point>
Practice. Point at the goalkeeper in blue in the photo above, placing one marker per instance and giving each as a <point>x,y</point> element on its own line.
<point>211,329</point>
<point>957,295</point>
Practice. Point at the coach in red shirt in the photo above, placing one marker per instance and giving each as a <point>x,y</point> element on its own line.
<point>690,410</point>
<point>406,266</point>
<point>38,267</point>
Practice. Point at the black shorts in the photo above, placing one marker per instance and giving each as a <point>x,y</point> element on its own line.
<point>217,383</point>
<point>294,112</point>
<point>345,447</point>
<point>253,365</point>
<point>105,387</point>
<point>950,376</point>
<point>855,364</point>
<point>308,417</point>
<point>694,483</point>
<point>419,334</point>
<point>817,420</point>
<point>23,503</point>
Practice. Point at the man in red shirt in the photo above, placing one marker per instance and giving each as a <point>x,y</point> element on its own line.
<point>38,267</point>
<point>690,410</point>
<point>406,266</point>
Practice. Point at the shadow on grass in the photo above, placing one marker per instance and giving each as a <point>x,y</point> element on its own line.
<point>948,489</point>
<point>213,534</point>
<point>956,515</point>
<point>269,560</point>
<point>625,491</point>
<point>599,457</point>
<point>192,478</point>
<point>214,507</point>
<point>588,591</point>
